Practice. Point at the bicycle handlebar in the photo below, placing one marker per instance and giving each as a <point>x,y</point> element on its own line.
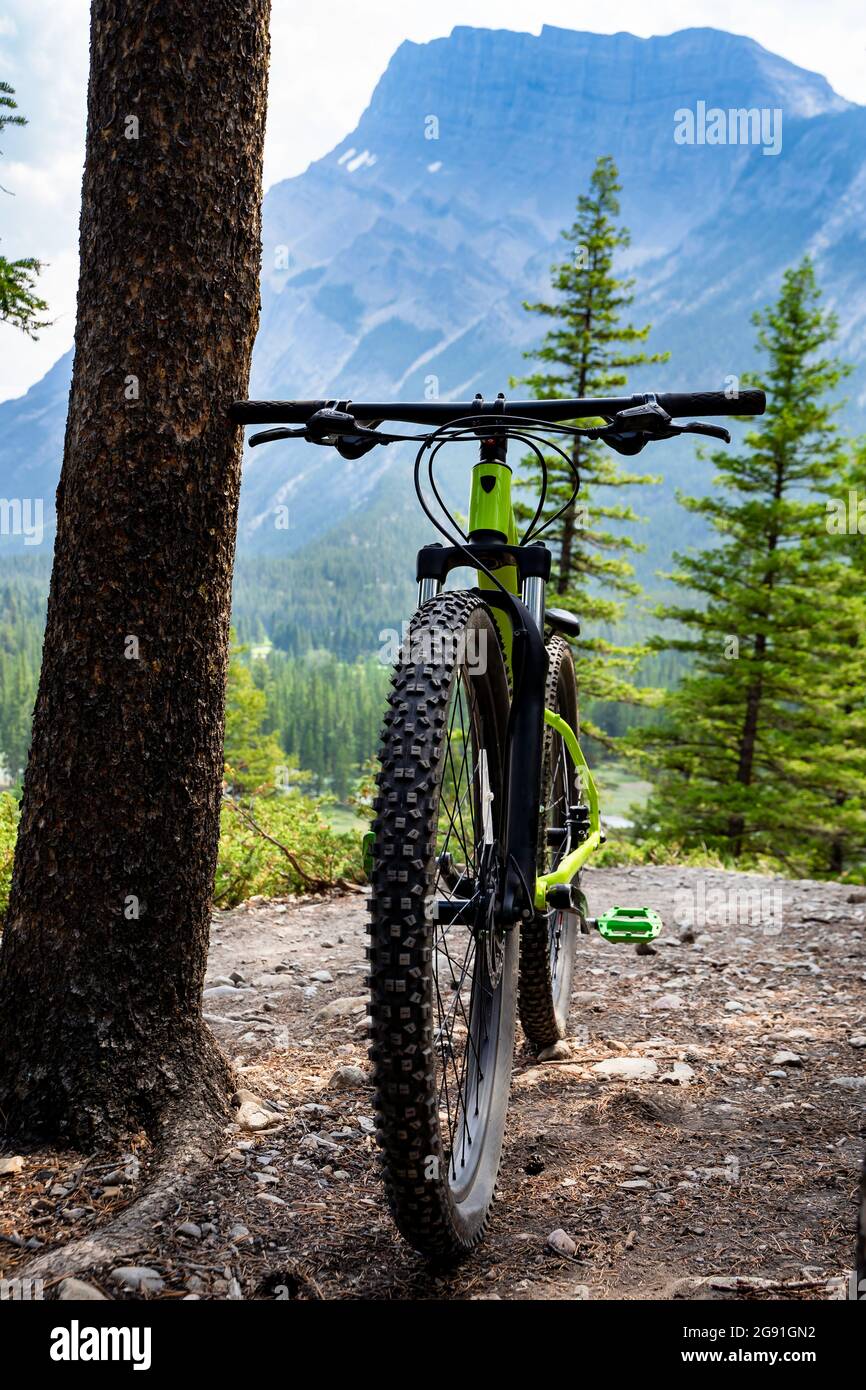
<point>676,403</point>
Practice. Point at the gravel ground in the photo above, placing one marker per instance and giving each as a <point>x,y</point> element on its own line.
<point>699,1137</point>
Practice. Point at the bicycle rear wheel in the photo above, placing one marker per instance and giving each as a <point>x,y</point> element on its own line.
<point>548,941</point>
<point>443,973</point>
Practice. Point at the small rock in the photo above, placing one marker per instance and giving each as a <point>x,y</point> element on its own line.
<point>680,1074</point>
<point>252,1113</point>
<point>189,1228</point>
<point>627,1069</point>
<point>237,977</point>
<point>667,1001</point>
<point>561,1243</point>
<point>348,1078</point>
<point>77,1291</point>
<point>634,1184</point>
<point>787,1059</point>
<point>559,1051</point>
<point>733,1006</point>
<point>312,1142</point>
<point>10,1165</point>
<point>687,936</point>
<point>859,1040</point>
<point>140,1277</point>
<point>645,948</point>
<point>221,992</point>
<point>849,1083</point>
<point>342,1008</point>
<point>778,1074</point>
<point>324,977</point>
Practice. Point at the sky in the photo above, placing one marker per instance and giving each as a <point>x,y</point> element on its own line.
<point>325,62</point>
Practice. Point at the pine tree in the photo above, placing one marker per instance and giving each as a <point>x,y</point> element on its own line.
<point>19,303</point>
<point>252,753</point>
<point>756,754</point>
<point>846,524</point>
<point>587,352</point>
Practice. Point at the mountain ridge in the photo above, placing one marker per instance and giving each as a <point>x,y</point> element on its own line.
<point>398,263</point>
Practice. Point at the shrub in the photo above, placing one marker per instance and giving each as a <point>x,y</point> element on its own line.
<point>8,835</point>
<point>281,844</point>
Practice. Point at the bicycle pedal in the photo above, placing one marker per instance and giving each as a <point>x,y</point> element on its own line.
<point>629,924</point>
<point>368,839</point>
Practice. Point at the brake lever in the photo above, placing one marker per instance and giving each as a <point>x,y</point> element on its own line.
<point>266,436</point>
<point>698,427</point>
<point>652,422</point>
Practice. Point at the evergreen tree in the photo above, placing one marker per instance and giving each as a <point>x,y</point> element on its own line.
<point>19,303</point>
<point>587,352</point>
<point>757,752</point>
<point>252,754</point>
<point>846,524</point>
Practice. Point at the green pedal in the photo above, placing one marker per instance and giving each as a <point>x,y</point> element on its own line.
<point>629,924</point>
<point>368,839</point>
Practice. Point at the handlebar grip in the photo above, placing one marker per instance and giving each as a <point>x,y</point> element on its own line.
<point>712,403</point>
<point>273,412</point>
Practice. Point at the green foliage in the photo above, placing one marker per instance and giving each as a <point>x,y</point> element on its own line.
<point>363,794</point>
<point>326,713</point>
<point>281,844</point>
<point>8,836</point>
<point>252,754</point>
<point>761,749</point>
<point>22,610</point>
<point>621,850</point>
<point>19,303</point>
<point>587,352</point>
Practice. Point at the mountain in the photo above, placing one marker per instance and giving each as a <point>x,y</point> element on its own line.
<point>398,264</point>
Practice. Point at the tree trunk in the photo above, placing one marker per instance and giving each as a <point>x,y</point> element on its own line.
<point>104,952</point>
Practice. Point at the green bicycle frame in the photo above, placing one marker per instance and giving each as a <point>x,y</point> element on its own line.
<point>491,511</point>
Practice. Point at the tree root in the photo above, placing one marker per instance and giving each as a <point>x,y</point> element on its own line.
<point>185,1149</point>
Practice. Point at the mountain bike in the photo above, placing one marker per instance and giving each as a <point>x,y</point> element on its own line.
<point>486,810</point>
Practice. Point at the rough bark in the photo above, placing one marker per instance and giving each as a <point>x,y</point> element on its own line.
<point>104,951</point>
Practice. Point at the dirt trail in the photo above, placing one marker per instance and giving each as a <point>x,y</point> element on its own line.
<point>732,1151</point>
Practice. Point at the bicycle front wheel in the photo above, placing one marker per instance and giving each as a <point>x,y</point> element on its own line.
<point>443,973</point>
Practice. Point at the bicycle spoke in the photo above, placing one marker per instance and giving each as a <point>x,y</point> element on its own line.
<point>463,996</point>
